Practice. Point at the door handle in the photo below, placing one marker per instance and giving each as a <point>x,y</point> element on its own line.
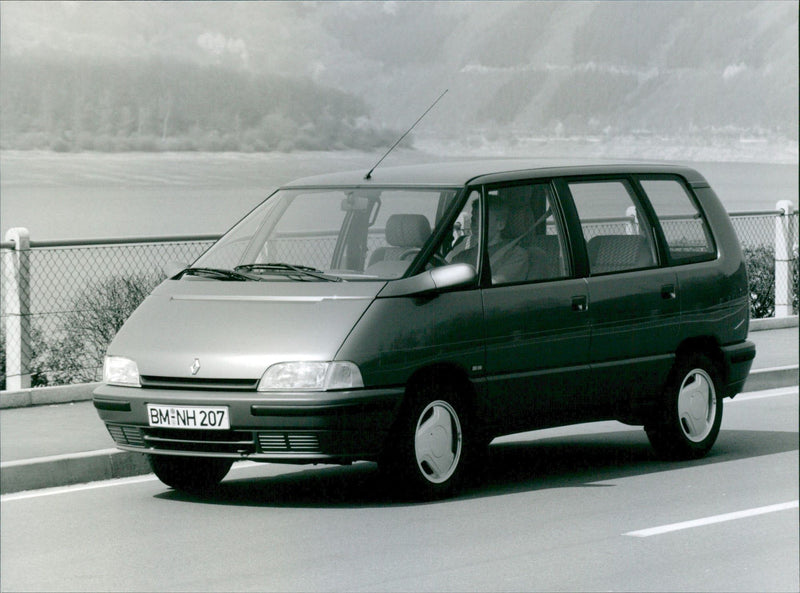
<point>580,303</point>
<point>668,292</point>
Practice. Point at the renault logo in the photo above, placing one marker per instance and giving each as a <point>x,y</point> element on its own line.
<point>195,366</point>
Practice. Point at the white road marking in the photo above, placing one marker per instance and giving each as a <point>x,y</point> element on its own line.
<point>713,519</point>
<point>75,488</point>
<point>96,485</point>
<point>49,458</point>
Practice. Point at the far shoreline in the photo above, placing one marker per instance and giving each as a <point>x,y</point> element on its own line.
<point>723,148</point>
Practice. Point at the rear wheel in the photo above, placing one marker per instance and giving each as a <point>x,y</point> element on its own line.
<point>426,451</point>
<point>190,474</point>
<point>690,412</point>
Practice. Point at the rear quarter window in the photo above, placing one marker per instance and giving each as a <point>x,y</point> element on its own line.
<point>685,229</point>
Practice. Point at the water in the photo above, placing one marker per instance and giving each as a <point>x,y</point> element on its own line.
<point>96,195</point>
<point>93,195</point>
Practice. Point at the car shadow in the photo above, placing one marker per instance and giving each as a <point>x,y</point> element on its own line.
<point>575,461</point>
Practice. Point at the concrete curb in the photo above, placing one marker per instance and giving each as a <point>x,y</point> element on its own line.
<point>44,396</point>
<point>772,378</point>
<point>773,323</point>
<point>65,470</point>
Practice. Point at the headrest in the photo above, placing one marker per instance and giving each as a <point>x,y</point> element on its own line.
<point>407,230</point>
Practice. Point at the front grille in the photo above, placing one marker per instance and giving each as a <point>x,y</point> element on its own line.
<point>154,382</point>
<point>207,436</point>
<point>240,442</point>
<point>201,441</point>
<point>281,442</point>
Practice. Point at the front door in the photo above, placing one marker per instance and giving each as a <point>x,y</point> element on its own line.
<point>535,311</point>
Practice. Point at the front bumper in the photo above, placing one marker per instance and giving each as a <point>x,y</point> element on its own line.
<point>318,427</point>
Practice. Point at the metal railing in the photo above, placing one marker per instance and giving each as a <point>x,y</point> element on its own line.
<point>64,300</point>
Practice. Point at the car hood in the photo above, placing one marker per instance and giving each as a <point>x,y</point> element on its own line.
<point>238,329</point>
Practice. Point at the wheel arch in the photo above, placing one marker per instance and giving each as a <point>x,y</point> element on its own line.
<point>710,347</point>
<point>672,428</point>
<point>400,458</point>
<point>444,373</point>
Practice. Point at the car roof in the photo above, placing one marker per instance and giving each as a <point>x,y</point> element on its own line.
<point>460,173</point>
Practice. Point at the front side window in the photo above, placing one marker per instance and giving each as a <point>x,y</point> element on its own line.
<point>615,228</point>
<point>464,247</point>
<point>685,230</point>
<point>344,233</point>
<point>524,238</point>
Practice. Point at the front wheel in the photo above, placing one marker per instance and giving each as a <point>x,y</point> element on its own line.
<point>690,411</point>
<point>426,450</point>
<point>190,474</point>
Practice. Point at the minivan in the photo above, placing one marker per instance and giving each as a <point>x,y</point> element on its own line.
<point>412,315</point>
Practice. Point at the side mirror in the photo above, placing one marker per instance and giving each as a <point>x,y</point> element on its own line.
<point>432,281</point>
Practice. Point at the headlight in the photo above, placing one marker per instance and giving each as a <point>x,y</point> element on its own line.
<point>118,370</point>
<point>311,376</point>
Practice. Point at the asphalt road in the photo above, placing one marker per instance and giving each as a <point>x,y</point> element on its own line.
<point>578,508</point>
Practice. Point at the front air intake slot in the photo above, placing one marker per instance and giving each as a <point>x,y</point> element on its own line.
<point>277,442</point>
<point>154,382</point>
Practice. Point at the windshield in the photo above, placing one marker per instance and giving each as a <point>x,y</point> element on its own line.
<point>332,234</point>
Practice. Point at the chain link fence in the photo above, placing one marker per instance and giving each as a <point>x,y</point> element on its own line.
<point>79,294</point>
<point>765,237</point>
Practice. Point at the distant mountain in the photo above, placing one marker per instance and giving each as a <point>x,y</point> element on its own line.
<point>515,70</point>
<point>156,104</point>
<point>563,68</point>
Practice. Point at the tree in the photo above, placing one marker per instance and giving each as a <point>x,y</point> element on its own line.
<point>76,352</point>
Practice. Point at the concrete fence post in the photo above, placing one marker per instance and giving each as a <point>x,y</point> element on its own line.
<point>17,298</point>
<point>632,224</point>
<point>784,243</point>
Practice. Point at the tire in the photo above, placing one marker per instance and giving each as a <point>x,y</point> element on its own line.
<point>426,450</point>
<point>189,474</point>
<point>689,414</point>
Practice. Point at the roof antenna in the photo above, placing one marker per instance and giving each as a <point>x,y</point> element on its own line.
<point>369,175</point>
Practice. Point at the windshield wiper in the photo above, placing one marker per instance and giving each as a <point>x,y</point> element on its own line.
<point>218,273</point>
<point>294,269</point>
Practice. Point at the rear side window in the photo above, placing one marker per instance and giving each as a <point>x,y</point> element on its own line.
<point>615,228</point>
<point>685,229</point>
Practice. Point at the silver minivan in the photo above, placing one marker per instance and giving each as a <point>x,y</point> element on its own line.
<point>410,316</point>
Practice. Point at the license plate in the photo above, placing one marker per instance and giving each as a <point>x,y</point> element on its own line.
<point>197,417</point>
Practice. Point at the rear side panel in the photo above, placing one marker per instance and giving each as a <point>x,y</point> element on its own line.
<point>714,298</point>
<point>714,295</point>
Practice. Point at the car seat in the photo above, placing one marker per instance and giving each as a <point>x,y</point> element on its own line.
<point>403,232</point>
<point>612,253</point>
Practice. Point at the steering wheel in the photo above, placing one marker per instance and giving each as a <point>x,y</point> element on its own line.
<point>412,252</point>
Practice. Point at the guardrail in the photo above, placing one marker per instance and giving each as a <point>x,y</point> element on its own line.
<point>48,290</point>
